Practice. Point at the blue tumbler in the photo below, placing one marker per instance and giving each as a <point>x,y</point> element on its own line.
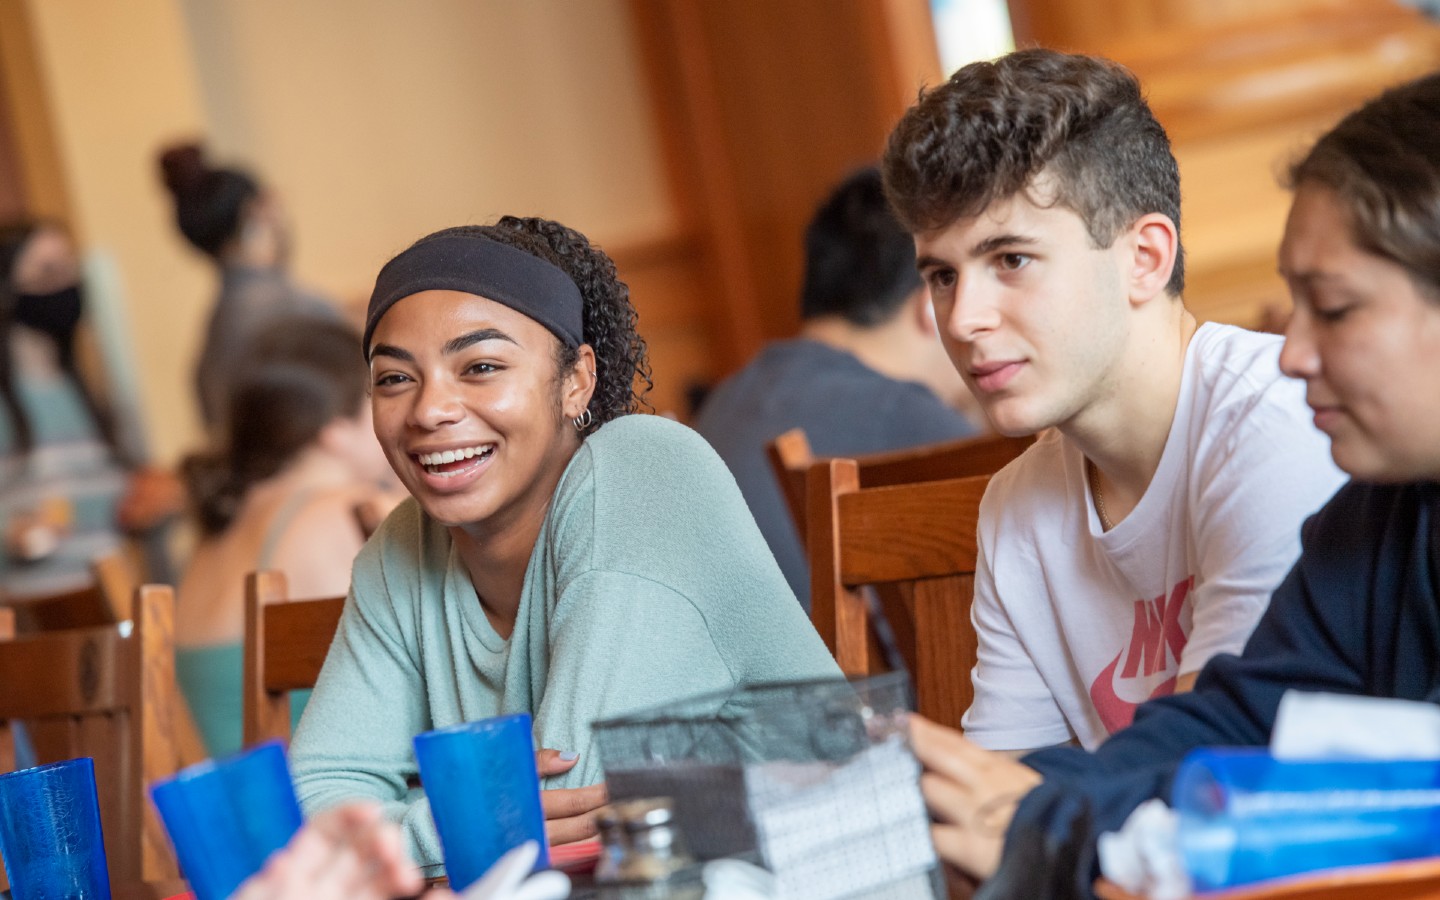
<point>50,833</point>
<point>225,818</point>
<point>484,793</point>
<point>1246,816</point>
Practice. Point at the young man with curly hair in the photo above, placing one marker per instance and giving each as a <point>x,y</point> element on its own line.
<point>1144,531</point>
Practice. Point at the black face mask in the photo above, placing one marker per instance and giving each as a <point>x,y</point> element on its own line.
<point>55,314</point>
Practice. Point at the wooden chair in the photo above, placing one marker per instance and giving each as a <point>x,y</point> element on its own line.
<point>104,602</point>
<point>285,645</point>
<point>1417,879</point>
<point>107,692</point>
<point>790,458</point>
<point>919,540</point>
<point>107,601</point>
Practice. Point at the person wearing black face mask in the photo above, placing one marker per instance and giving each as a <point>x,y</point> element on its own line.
<point>68,491</point>
<point>55,314</point>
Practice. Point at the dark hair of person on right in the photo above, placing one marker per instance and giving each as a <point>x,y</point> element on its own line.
<point>301,375</point>
<point>209,202</point>
<point>1075,126</point>
<point>859,261</point>
<point>622,369</point>
<point>1381,161</point>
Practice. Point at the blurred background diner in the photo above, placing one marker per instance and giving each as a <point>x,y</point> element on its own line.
<point>145,148</point>
<point>692,139</point>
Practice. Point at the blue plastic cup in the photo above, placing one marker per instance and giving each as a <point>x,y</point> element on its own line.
<point>1246,816</point>
<point>226,817</point>
<point>484,793</point>
<point>50,832</point>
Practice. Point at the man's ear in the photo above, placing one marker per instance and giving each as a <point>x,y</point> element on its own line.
<point>1154,245</point>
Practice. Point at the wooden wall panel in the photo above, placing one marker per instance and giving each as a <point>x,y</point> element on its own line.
<point>667,288</point>
<point>763,106</point>
<point>1242,88</point>
<point>31,181</point>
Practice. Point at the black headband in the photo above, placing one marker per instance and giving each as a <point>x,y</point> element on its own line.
<point>477,265</point>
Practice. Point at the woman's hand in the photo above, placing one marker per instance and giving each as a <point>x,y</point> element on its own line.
<point>569,812</point>
<point>346,853</point>
<point>972,794</point>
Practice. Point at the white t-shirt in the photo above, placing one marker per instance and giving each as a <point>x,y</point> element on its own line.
<point>1076,625</point>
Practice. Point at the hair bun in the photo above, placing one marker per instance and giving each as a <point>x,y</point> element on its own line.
<point>183,167</point>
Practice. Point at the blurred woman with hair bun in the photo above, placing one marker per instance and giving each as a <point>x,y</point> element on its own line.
<point>230,217</point>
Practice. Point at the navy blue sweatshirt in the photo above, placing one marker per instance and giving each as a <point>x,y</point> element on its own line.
<point>1356,615</point>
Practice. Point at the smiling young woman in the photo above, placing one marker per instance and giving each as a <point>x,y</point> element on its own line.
<point>560,556</point>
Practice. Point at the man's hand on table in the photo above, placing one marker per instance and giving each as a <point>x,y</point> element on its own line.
<point>971,793</point>
<point>569,812</point>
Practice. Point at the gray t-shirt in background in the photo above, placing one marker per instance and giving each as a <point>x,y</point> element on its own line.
<point>249,300</point>
<point>846,409</point>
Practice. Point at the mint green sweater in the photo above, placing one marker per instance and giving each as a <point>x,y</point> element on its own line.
<point>649,582</point>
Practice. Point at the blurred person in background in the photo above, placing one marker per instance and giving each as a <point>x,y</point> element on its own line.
<point>69,491</point>
<point>867,373</point>
<point>296,456</point>
<point>241,226</point>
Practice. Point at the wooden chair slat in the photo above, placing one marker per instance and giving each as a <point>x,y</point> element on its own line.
<point>893,533</point>
<point>945,643</point>
<point>81,668</point>
<point>937,462</point>
<point>285,646</point>
<point>105,601</point>
<point>791,457</point>
<point>293,657</point>
<point>914,546</point>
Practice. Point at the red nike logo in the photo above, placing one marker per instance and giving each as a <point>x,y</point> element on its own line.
<point>1116,713</point>
<point>1156,636</point>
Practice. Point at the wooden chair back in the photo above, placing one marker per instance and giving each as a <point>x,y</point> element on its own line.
<point>104,602</point>
<point>285,645</point>
<point>917,539</point>
<point>1417,879</point>
<point>790,458</point>
<point>106,692</point>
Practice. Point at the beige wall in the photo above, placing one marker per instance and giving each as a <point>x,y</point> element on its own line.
<point>376,121</point>
<point>392,120</point>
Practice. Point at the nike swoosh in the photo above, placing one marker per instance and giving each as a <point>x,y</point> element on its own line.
<point>1116,713</point>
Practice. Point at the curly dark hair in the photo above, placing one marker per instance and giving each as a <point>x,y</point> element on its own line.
<point>1383,163</point>
<point>622,369</point>
<point>995,127</point>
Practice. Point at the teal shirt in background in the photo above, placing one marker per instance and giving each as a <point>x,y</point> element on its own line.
<point>69,462</point>
<point>649,583</point>
<point>212,678</point>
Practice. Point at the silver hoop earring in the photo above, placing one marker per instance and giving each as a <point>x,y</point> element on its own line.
<point>582,421</point>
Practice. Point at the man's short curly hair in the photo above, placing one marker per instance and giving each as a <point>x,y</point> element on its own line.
<point>996,127</point>
<point>622,369</point>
